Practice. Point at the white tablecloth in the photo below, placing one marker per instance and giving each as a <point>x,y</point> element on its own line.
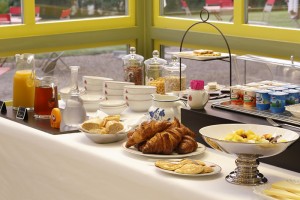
<point>35,165</point>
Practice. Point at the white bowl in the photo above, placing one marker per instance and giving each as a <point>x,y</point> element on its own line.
<point>91,102</point>
<point>112,107</point>
<point>247,153</point>
<point>113,92</point>
<point>119,85</point>
<point>89,87</point>
<point>294,109</point>
<point>115,97</point>
<point>117,110</point>
<point>139,97</point>
<point>104,138</point>
<point>139,89</point>
<point>112,103</point>
<point>95,80</point>
<point>214,135</point>
<point>139,106</point>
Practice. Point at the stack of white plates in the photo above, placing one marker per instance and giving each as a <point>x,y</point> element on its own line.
<point>113,90</point>
<point>138,97</point>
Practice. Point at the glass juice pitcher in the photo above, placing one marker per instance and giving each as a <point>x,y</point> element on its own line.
<point>23,84</point>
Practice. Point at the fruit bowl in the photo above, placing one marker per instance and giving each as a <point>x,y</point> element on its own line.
<point>247,154</point>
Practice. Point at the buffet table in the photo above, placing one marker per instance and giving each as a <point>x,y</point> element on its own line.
<point>36,165</point>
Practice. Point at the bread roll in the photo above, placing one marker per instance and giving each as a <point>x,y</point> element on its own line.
<point>113,127</point>
<point>93,123</point>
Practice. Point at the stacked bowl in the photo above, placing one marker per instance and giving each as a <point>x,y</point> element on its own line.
<point>138,97</point>
<point>93,86</point>
<point>113,90</point>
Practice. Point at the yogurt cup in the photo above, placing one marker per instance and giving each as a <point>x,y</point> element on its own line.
<point>293,96</point>
<point>263,99</point>
<point>249,97</point>
<point>278,101</point>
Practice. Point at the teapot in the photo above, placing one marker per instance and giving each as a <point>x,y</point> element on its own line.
<point>166,107</point>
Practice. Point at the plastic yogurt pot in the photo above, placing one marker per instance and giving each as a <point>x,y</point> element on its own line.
<point>278,101</point>
<point>293,96</point>
<point>291,86</point>
<point>278,89</point>
<point>262,99</point>
<point>249,97</point>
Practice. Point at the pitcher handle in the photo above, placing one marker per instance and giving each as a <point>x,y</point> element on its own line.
<point>180,104</point>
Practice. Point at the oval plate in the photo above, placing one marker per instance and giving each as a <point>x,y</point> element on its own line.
<point>217,169</point>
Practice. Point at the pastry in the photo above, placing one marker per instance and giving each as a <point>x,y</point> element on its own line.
<point>146,131</point>
<point>163,142</point>
<point>190,169</point>
<point>207,169</point>
<point>187,145</point>
<point>168,165</point>
<point>201,52</point>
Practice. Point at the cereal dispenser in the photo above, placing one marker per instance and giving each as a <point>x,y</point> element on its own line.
<point>133,67</point>
<point>154,69</point>
<point>172,76</point>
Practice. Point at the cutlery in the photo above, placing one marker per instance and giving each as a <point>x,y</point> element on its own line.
<point>273,123</point>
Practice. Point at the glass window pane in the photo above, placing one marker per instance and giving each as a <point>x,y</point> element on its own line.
<point>220,10</point>
<point>280,13</point>
<point>78,9</point>
<point>103,61</point>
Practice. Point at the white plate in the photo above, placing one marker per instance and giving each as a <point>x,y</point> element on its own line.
<point>191,55</point>
<point>218,88</point>
<point>201,148</point>
<point>217,169</point>
<point>259,190</point>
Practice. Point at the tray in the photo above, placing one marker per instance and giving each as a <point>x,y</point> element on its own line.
<point>283,117</point>
<point>190,55</point>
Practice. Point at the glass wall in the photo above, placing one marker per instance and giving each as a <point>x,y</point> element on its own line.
<point>49,10</point>
<point>280,13</point>
<point>104,61</point>
<point>219,10</point>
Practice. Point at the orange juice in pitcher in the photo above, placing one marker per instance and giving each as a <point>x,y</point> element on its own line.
<point>23,86</point>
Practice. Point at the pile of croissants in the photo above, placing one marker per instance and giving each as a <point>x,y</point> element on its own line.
<point>162,137</point>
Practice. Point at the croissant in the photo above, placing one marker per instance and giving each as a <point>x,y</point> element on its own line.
<point>163,142</point>
<point>187,145</point>
<point>146,130</point>
<point>188,131</point>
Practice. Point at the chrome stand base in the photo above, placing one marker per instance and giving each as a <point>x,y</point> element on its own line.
<point>246,172</point>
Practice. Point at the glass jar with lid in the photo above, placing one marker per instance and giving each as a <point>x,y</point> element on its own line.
<point>172,76</point>
<point>133,67</point>
<point>154,69</point>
